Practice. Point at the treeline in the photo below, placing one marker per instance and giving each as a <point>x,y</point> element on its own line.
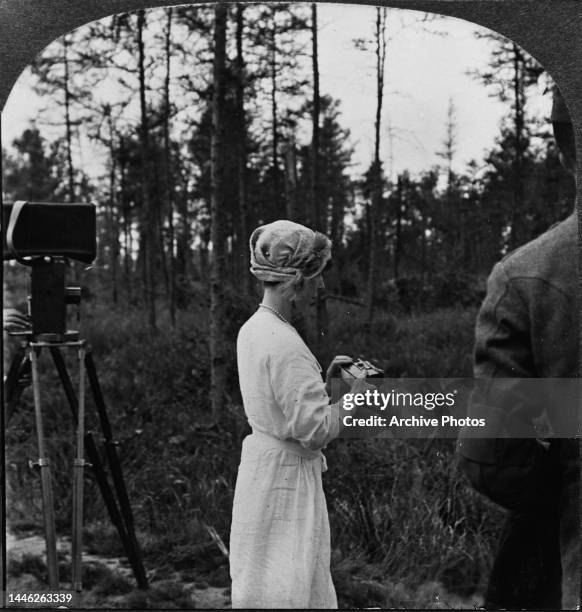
<point>190,126</point>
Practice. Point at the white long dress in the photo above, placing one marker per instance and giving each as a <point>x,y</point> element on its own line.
<point>279,542</point>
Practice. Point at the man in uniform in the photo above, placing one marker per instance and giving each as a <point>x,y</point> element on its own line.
<point>528,328</point>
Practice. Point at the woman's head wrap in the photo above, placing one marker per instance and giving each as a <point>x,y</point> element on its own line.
<point>287,252</point>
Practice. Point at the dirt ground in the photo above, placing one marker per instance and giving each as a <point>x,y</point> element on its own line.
<point>108,582</point>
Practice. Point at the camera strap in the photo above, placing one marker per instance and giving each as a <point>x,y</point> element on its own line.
<point>14,214</point>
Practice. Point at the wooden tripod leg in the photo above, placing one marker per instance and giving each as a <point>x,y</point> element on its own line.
<point>78,477</point>
<point>133,552</point>
<point>92,452</point>
<point>105,488</point>
<point>46,484</point>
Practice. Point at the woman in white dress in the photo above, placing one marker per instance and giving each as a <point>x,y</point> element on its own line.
<point>280,542</point>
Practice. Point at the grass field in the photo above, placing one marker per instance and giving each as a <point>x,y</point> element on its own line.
<point>407,530</point>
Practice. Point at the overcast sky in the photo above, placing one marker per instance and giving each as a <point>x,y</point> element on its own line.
<point>426,66</point>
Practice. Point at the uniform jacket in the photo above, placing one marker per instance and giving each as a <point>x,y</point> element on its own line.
<point>527,327</point>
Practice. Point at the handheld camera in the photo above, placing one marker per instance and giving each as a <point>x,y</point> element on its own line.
<point>360,369</point>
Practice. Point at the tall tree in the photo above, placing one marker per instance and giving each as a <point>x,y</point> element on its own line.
<point>276,35</point>
<point>450,142</point>
<point>53,72</point>
<point>377,175</point>
<point>31,170</point>
<point>322,319</point>
<point>112,233</point>
<point>510,73</point>
<point>242,152</point>
<point>168,165</point>
<point>290,154</point>
<point>148,216</point>
<point>218,201</point>
<point>453,200</point>
<point>68,128</point>
<point>316,109</point>
<point>274,70</point>
<point>336,187</point>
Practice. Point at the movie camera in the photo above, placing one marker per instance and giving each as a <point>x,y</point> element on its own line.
<point>43,236</point>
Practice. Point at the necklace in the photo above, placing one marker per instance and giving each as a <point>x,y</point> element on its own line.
<point>275,312</point>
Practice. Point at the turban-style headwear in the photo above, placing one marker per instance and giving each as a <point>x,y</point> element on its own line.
<point>284,251</point>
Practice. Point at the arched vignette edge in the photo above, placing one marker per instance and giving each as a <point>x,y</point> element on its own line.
<point>547,29</point>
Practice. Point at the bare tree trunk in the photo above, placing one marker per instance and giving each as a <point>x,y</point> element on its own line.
<point>321,315</point>
<point>184,238</point>
<point>148,218</point>
<point>274,111</point>
<point>242,153</point>
<point>315,195</point>
<point>291,179</point>
<point>68,127</point>
<point>448,154</point>
<point>217,340</point>
<point>161,240</point>
<point>450,143</point>
<point>112,231</point>
<point>127,244</point>
<point>168,172</point>
<point>398,233</point>
<point>518,159</point>
<point>423,250</point>
<point>376,196</point>
<point>336,222</point>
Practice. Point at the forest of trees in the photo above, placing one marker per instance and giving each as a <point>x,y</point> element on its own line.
<point>216,123</point>
<point>190,126</point>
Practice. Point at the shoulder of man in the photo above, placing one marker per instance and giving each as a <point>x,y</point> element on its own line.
<point>549,256</point>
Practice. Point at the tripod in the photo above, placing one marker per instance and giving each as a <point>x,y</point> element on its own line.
<point>22,371</point>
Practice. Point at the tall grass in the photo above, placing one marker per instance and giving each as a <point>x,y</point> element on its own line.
<point>400,506</point>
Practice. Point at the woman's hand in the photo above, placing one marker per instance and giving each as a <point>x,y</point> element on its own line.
<point>334,370</point>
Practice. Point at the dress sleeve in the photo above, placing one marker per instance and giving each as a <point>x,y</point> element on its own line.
<point>300,393</point>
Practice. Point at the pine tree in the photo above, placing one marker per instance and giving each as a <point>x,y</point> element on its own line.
<point>510,73</point>
<point>377,174</point>
<point>218,201</point>
<point>243,232</point>
<point>31,171</point>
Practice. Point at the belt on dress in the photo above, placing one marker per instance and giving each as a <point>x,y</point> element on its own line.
<point>289,445</point>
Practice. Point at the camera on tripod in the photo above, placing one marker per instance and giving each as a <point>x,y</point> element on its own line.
<point>43,236</point>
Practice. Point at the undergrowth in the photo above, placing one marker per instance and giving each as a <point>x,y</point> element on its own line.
<point>401,513</point>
